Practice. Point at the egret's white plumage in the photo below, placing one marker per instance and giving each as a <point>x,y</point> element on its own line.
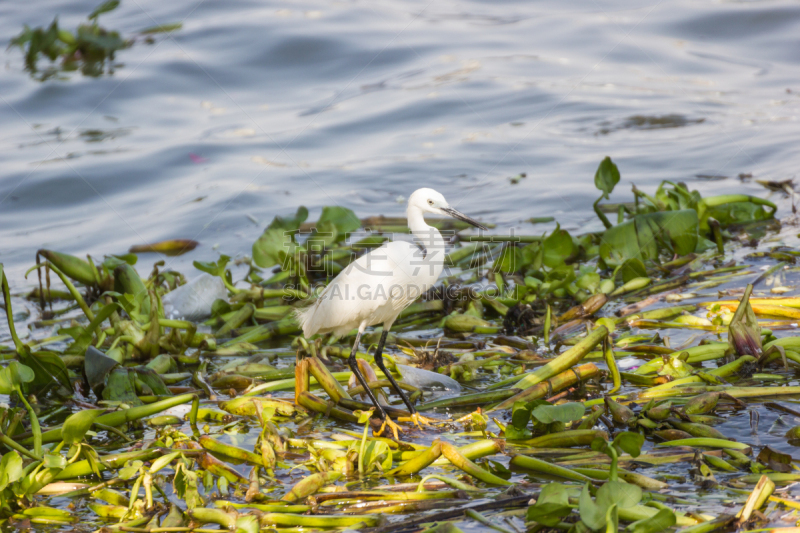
<point>375,288</point>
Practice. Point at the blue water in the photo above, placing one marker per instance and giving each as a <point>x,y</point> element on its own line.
<point>254,108</point>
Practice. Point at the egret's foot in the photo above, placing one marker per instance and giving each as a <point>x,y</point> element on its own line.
<point>387,422</point>
<point>420,420</point>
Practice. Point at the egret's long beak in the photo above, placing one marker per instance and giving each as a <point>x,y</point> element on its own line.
<point>461,216</point>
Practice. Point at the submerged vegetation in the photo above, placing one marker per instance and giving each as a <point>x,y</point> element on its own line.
<point>593,382</point>
<point>90,48</point>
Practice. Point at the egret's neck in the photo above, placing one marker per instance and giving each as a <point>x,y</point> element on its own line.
<point>428,236</point>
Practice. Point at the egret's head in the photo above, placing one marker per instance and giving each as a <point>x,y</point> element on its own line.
<point>430,201</point>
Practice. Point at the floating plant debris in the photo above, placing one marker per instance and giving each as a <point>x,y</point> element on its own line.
<point>594,382</point>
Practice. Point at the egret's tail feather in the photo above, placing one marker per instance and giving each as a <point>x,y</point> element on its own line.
<point>304,316</point>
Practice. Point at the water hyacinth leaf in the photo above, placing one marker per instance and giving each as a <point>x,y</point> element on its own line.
<point>83,340</point>
<point>14,375</point>
<point>97,366</point>
<point>343,219</point>
<point>606,177</point>
<point>10,469</point>
<point>269,247</point>
<point>632,268</point>
<point>618,493</point>
<point>661,521</point>
<point>521,414</point>
<point>185,484</point>
<point>76,426</point>
<point>629,442</point>
<point>551,505</point>
<point>558,247</point>
<point>612,519</point>
<point>215,269</point>
<point>325,235</point>
<point>565,412</point>
<point>54,460</point>
<point>510,260</point>
<point>644,236</point>
<point>591,514</point>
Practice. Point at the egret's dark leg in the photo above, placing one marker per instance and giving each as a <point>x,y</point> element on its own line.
<point>379,362</point>
<point>351,362</point>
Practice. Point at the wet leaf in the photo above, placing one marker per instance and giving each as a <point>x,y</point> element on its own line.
<point>76,426</point>
<point>779,462</point>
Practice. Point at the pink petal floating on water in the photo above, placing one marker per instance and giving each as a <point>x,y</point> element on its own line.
<point>197,159</point>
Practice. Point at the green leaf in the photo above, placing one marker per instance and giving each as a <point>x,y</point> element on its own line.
<point>129,470</point>
<point>661,521</point>
<point>14,375</point>
<point>511,259</point>
<point>558,246</point>
<point>10,469</point>
<point>629,442</point>
<point>565,412</point>
<point>551,505</point>
<point>606,177</point>
<point>185,483</point>
<point>270,245</point>
<point>521,414</point>
<point>76,426</point>
<point>512,433</point>
<point>618,493</point>
<point>633,268</point>
<point>290,223</point>
<point>324,236</point>
<point>105,7</point>
<point>54,460</point>
<point>48,370</point>
<point>345,220</point>
<point>215,269</point>
<point>646,236</point>
<point>591,514</point>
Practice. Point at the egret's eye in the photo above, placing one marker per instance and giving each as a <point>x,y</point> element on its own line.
<point>430,202</point>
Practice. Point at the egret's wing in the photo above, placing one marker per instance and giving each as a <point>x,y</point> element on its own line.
<point>373,288</point>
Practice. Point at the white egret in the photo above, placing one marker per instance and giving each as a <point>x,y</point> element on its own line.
<point>376,287</point>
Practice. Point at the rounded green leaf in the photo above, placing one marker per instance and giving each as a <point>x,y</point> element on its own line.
<point>606,177</point>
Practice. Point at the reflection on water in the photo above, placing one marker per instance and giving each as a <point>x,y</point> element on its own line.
<point>252,109</point>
